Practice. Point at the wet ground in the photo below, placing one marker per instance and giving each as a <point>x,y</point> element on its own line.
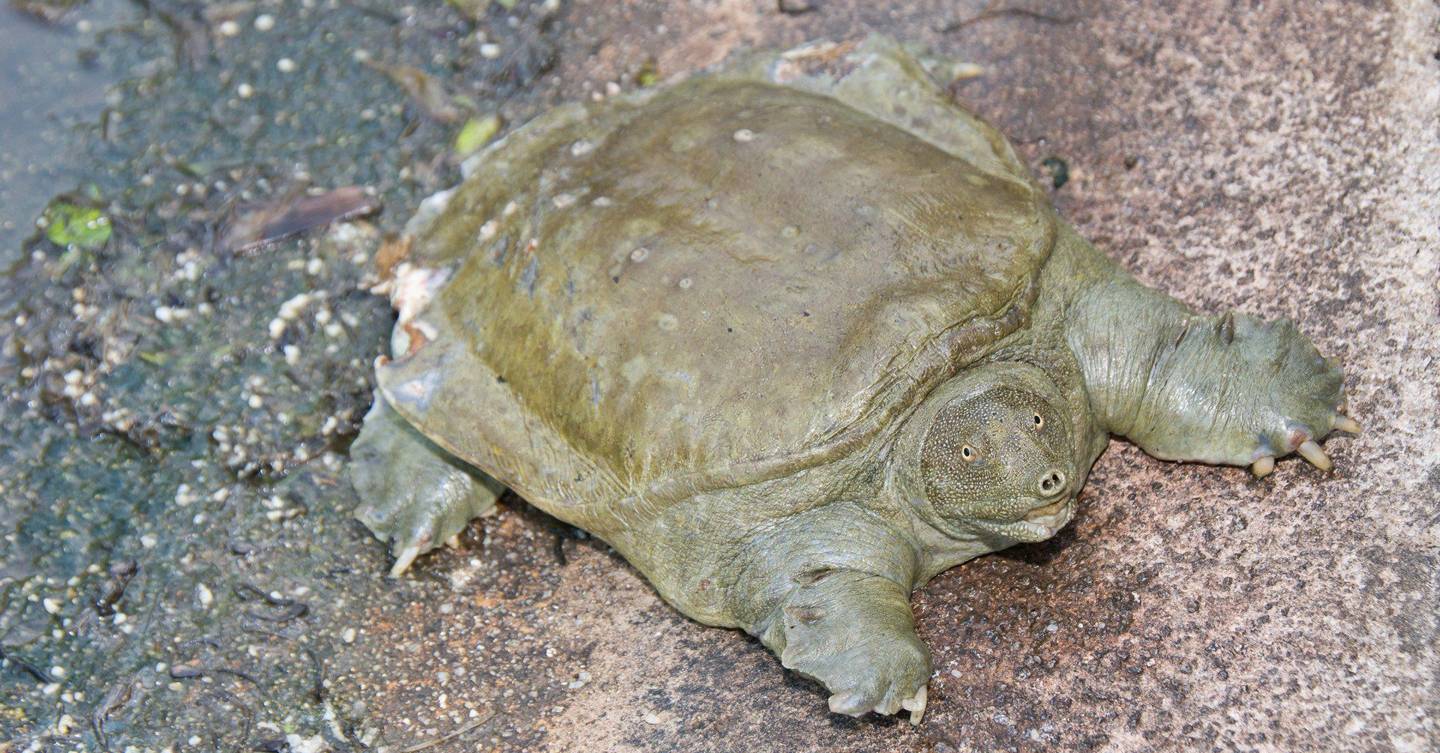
<point>179,568</point>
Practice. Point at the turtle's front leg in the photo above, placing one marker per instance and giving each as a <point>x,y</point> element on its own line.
<point>835,607</point>
<point>1227,389</point>
<point>412,493</point>
<point>854,633</point>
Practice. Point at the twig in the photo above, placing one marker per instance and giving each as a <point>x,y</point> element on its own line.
<point>39,674</point>
<point>117,696</point>
<point>416,748</point>
<point>993,13</point>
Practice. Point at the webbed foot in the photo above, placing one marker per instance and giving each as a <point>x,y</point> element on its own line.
<point>1296,396</point>
<point>413,494</point>
<point>854,634</point>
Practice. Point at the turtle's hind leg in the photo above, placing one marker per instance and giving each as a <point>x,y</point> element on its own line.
<point>412,493</point>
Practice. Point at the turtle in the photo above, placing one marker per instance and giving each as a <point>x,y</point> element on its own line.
<point>794,335</point>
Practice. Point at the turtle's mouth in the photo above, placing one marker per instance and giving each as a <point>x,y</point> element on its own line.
<point>1043,514</point>
<point>1039,524</point>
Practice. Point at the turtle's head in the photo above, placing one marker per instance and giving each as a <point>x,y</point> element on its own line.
<point>996,456</point>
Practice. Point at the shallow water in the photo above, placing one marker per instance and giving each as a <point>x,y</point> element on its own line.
<point>52,93</point>
<point>177,557</point>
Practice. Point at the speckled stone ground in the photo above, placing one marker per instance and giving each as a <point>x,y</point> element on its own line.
<point>1280,158</point>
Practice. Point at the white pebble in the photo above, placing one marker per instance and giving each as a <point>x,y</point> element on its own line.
<point>264,22</point>
<point>204,595</point>
<point>245,91</point>
<point>285,65</point>
<point>228,28</point>
<point>148,541</point>
<point>52,605</point>
<point>348,635</point>
<point>488,231</point>
<point>490,50</point>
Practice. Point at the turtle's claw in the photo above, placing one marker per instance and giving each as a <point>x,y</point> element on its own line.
<point>404,560</point>
<point>1317,457</point>
<point>1263,466</point>
<point>1345,423</point>
<point>915,705</point>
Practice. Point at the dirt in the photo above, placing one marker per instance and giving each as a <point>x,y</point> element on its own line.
<point>180,569</point>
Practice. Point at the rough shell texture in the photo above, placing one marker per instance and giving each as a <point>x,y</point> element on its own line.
<point>609,266</point>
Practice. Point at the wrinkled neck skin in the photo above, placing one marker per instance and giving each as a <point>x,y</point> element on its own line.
<point>1037,357</point>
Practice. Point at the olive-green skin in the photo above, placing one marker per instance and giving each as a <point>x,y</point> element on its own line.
<point>794,337</point>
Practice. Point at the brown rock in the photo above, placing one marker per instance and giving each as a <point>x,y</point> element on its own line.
<point>1277,158</point>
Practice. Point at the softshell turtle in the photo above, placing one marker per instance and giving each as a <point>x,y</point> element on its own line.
<point>794,336</point>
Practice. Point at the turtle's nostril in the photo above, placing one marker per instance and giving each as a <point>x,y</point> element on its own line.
<point>1052,483</point>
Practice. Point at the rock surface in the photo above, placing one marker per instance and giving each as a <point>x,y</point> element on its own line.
<point>1276,158</point>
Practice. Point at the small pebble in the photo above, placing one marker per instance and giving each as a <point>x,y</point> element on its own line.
<point>245,91</point>
<point>348,635</point>
<point>490,50</point>
<point>264,22</point>
<point>285,65</point>
<point>228,28</point>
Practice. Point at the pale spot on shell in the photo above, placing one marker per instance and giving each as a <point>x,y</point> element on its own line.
<point>509,209</point>
<point>563,200</point>
<point>602,201</point>
<point>640,254</point>
<point>488,230</point>
<point>744,135</point>
<point>581,148</point>
<point>685,283</point>
<point>789,231</point>
<point>668,322</point>
<point>413,289</point>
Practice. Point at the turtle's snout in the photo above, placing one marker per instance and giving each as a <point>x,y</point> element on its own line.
<point>1051,484</point>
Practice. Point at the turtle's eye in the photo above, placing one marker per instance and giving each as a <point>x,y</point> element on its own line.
<point>1039,422</point>
<point>968,453</point>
